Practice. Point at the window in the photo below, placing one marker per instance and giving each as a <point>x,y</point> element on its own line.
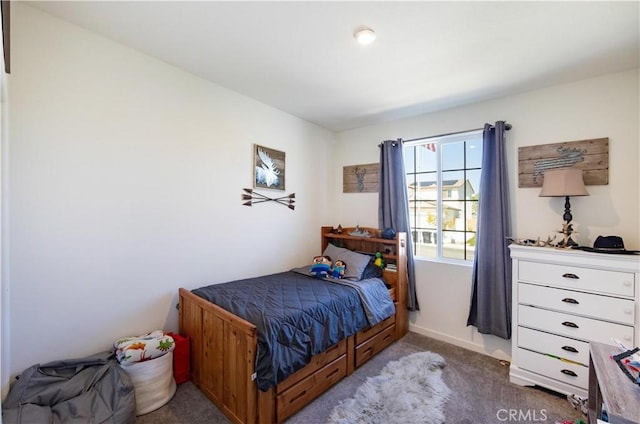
<point>443,181</point>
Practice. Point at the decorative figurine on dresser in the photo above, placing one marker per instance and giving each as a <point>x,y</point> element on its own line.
<point>562,300</point>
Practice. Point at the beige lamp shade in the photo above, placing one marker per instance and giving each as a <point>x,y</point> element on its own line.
<point>563,182</point>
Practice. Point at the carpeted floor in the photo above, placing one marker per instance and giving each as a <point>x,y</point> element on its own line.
<point>481,392</point>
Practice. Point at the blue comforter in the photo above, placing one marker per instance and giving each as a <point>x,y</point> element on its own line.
<point>298,316</point>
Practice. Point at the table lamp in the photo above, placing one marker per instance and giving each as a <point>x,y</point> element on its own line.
<point>564,182</point>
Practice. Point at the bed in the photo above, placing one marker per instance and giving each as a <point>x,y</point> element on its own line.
<point>227,349</point>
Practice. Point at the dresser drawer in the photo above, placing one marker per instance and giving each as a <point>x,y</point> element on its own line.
<point>574,326</point>
<point>591,305</point>
<point>567,372</point>
<point>563,347</point>
<point>578,278</point>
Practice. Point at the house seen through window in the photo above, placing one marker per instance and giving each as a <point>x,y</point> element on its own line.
<point>443,181</point>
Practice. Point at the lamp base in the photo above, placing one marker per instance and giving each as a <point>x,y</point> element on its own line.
<point>567,242</point>
<point>567,231</point>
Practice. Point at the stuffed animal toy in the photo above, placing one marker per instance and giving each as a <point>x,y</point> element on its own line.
<point>338,269</point>
<point>379,261</point>
<point>321,266</point>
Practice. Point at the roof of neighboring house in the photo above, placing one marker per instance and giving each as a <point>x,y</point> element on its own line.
<point>445,183</point>
<point>431,204</point>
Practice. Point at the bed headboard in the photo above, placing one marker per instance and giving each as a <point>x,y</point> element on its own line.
<point>394,252</point>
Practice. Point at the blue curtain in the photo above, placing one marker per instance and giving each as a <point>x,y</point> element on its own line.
<point>393,206</point>
<point>490,310</point>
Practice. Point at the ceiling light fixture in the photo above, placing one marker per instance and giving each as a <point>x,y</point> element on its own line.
<point>365,35</point>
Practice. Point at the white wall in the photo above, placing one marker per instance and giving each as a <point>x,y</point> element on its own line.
<point>125,178</point>
<point>594,108</point>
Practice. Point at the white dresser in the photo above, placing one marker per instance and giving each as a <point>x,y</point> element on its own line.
<point>562,299</point>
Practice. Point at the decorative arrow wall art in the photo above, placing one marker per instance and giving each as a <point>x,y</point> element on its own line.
<point>251,198</point>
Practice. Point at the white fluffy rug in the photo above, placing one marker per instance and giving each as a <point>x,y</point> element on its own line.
<point>409,390</point>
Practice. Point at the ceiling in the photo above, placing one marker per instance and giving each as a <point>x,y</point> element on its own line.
<point>301,57</point>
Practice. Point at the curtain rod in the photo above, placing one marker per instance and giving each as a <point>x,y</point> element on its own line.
<point>507,127</point>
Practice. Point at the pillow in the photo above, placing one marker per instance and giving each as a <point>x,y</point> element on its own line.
<point>371,270</point>
<point>356,262</point>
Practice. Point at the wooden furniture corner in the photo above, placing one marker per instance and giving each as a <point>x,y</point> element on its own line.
<point>609,386</point>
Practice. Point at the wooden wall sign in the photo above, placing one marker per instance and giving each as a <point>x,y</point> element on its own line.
<point>360,178</point>
<point>592,156</point>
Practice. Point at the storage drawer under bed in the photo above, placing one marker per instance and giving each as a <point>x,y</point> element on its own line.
<point>375,344</point>
<point>317,362</point>
<point>297,396</point>
<point>369,332</point>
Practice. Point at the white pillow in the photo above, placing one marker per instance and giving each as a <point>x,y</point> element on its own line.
<point>356,262</point>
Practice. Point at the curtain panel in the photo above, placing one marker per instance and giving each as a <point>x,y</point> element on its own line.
<point>393,206</point>
<point>490,310</point>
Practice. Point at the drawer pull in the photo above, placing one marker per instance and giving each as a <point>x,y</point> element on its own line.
<point>335,346</point>
<point>570,300</point>
<point>569,372</point>
<point>570,324</point>
<point>569,349</point>
<point>570,275</point>
<point>298,396</point>
<point>334,372</point>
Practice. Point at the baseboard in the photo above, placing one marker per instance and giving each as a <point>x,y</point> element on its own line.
<point>459,342</point>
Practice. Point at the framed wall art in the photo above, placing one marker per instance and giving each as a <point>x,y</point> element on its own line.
<point>591,156</point>
<point>268,168</point>
<point>360,178</point>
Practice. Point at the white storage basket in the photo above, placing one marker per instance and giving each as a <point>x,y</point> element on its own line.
<point>153,381</point>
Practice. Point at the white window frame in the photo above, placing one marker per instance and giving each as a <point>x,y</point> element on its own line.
<point>439,141</point>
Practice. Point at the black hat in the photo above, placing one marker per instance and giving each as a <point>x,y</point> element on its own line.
<point>608,244</point>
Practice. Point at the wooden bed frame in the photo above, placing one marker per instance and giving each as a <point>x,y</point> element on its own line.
<point>223,345</point>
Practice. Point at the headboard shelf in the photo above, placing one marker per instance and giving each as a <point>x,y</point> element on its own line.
<point>368,239</point>
<point>388,247</point>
